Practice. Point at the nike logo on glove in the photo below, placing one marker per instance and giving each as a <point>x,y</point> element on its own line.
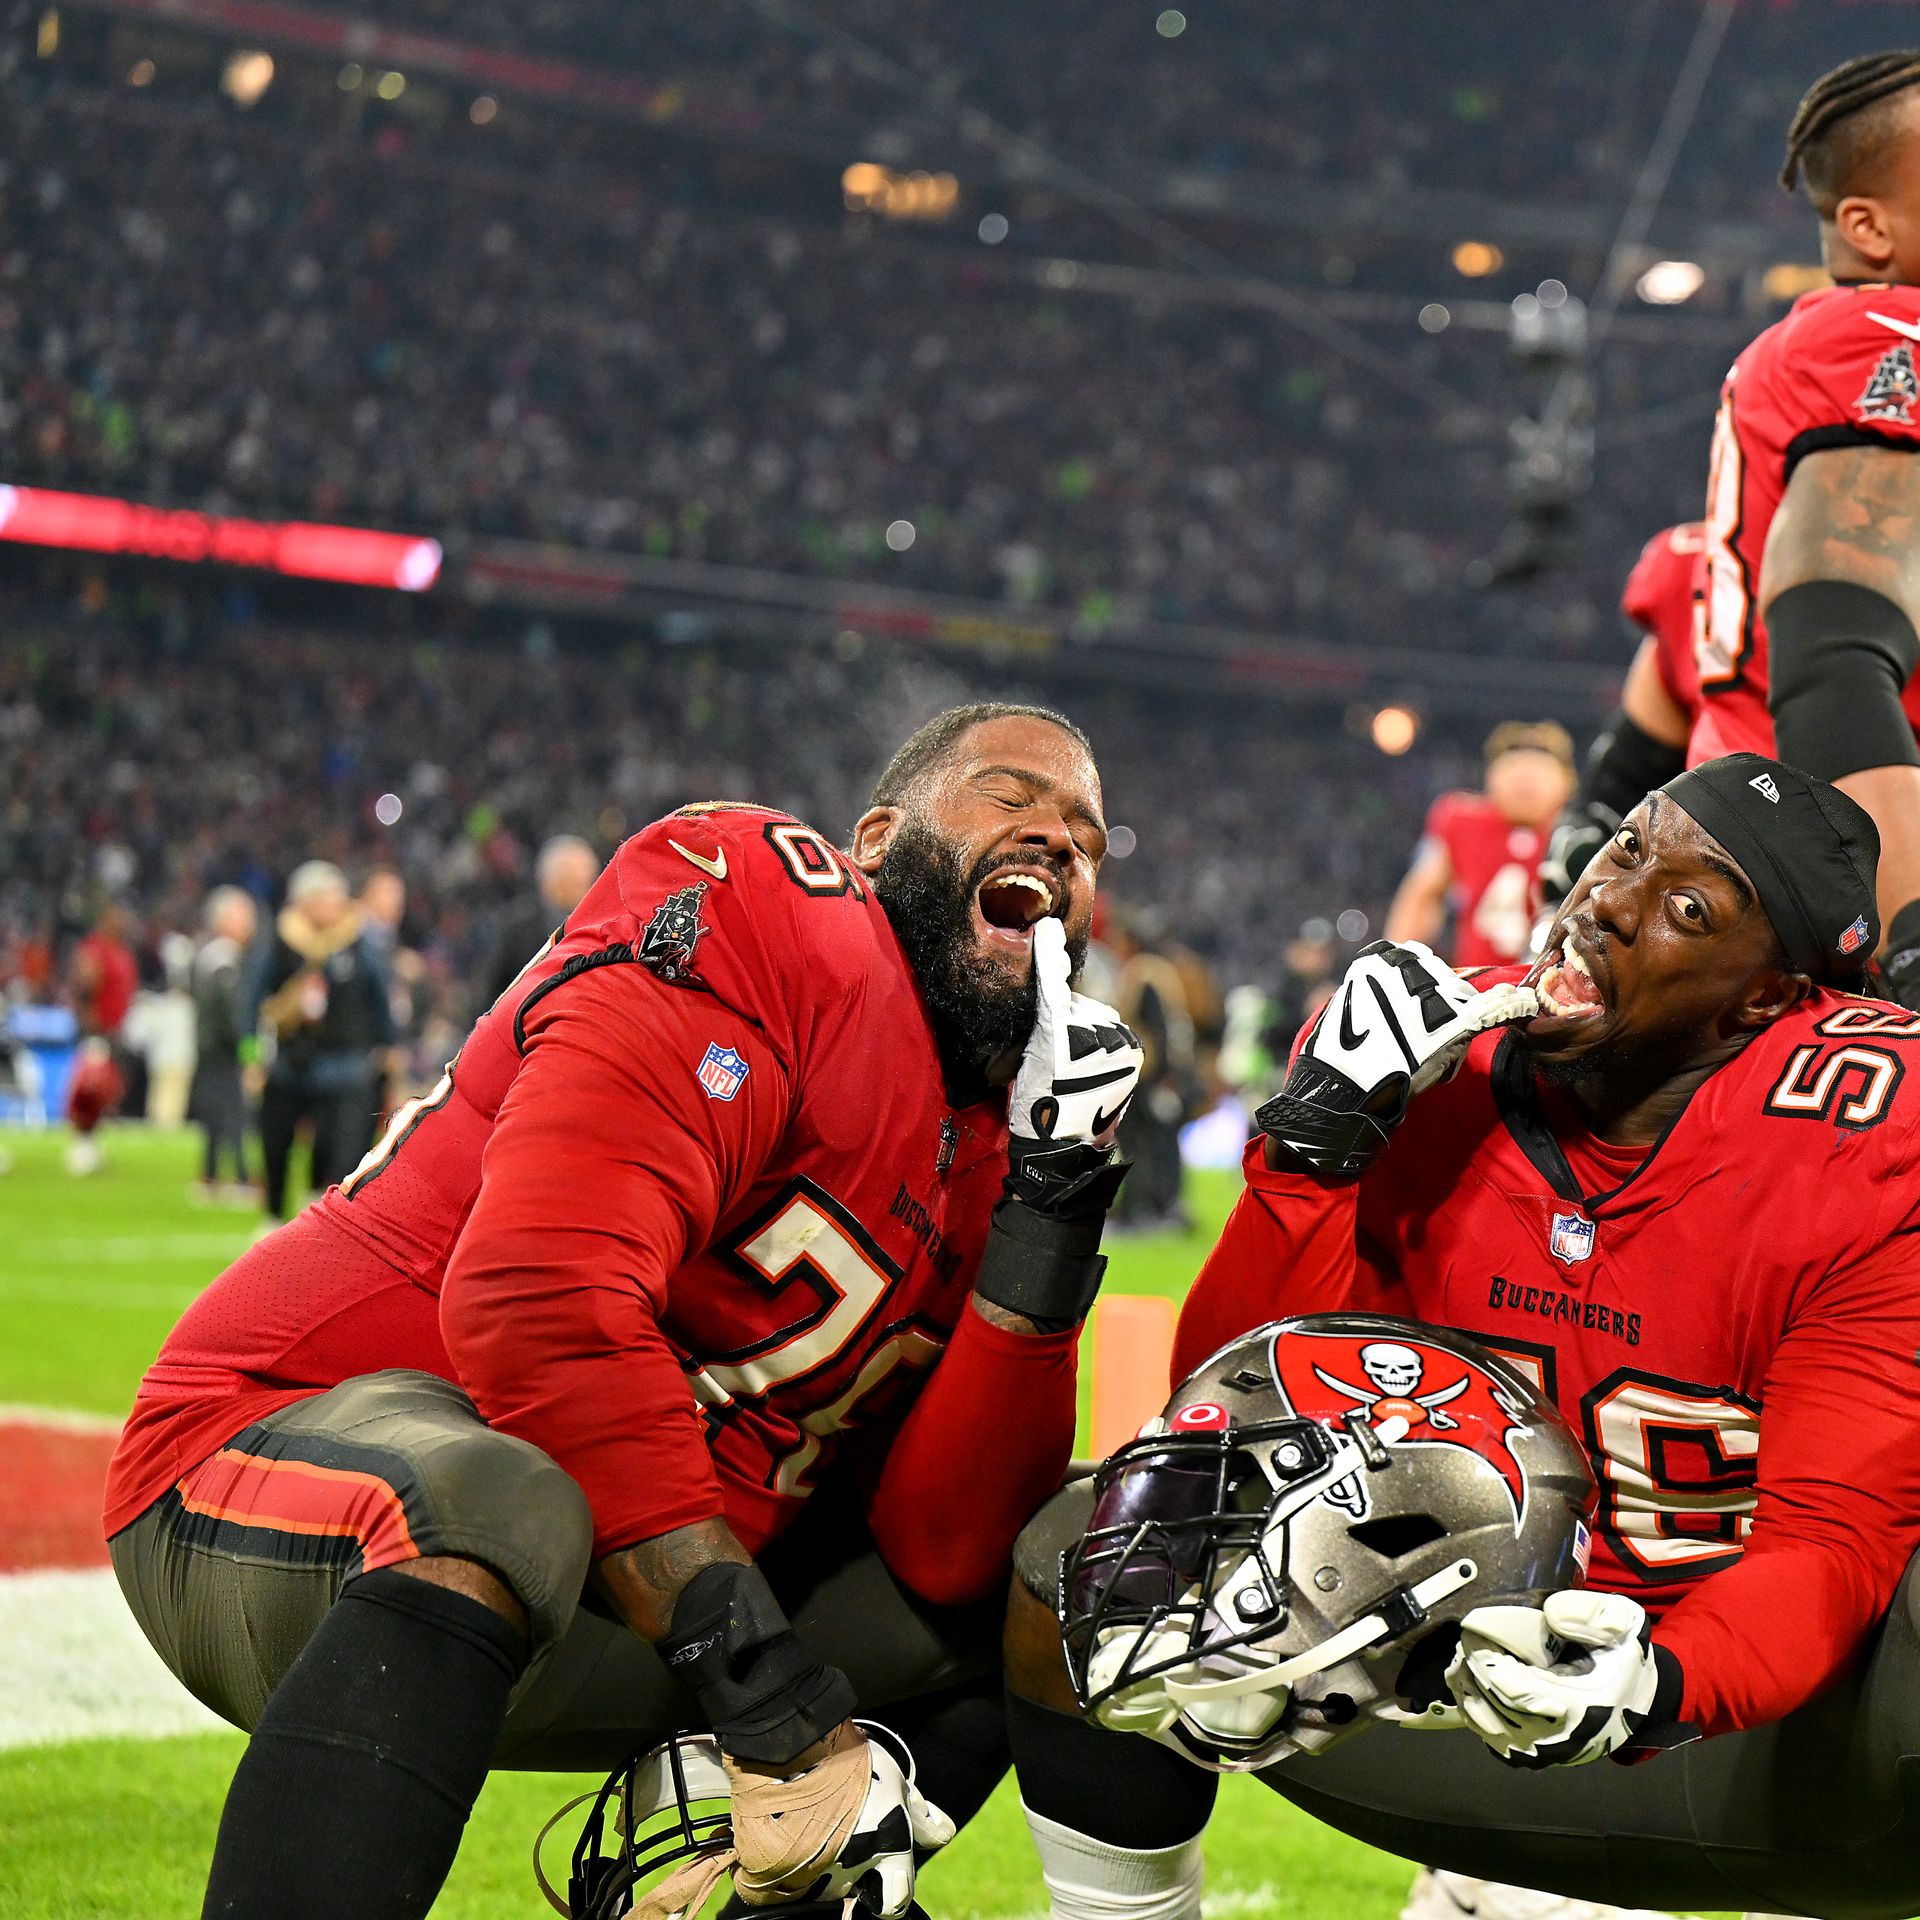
<point>1350,1036</point>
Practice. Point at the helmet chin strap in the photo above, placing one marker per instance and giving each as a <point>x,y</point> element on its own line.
<point>1367,1631</point>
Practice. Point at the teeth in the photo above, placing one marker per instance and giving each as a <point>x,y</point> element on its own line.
<point>1024,880</point>
<point>1575,964</point>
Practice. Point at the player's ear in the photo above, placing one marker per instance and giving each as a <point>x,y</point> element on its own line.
<point>872,835</point>
<point>1863,224</point>
<point>1774,992</point>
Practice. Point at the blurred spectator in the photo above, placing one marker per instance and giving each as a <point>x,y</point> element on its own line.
<point>566,868</point>
<point>322,992</point>
<point>94,1092</point>
<point>159,1031</point>
<point>105,973</point>
<point>1480,852</point>
<point>223,1041</point>
<point>1152,996</point>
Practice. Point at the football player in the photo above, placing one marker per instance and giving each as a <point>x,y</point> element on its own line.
<point>1808,641</point>
<point>722,1189</point>
<point>1679,1186</point>
<point>1645,742</point>
<point>1478,852</point>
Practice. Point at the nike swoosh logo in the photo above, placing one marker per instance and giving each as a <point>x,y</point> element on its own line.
<point>1102,1121</point>
<point>1908,327</point>
<point>718,868</point>
<point>1350,1036</point>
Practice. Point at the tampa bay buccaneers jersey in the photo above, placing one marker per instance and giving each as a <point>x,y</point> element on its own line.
<point>1662,595</point>
<point>1730,1319</point>
<point>691,1201</point>
<point>1493,864</point>
<point>1837,371</point>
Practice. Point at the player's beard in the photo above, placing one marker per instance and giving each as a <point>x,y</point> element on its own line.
<point>979,1011</point>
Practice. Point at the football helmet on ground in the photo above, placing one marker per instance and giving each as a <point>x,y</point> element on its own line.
<point>1284,1555</point>
<point>669,1822</point>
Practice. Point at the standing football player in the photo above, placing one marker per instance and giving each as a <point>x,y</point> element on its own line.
<point>1813,503</point>
<point>1645,742</point>
<point>1680,1190</point>
<point>719,1205</point>
<point>1478,852</point>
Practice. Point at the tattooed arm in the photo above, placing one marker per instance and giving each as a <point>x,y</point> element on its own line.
<point>642,1582</point>
<point>1840,589</point>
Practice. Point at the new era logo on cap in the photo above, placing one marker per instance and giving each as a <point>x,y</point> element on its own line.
<point>1763,783</point>
<point>1855,936</point>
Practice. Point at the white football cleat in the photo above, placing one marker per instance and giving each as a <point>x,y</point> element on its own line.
<point>1438,1895</point>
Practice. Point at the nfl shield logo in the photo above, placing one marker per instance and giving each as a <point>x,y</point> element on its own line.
<point>722,1072</point>
<point>1572,1237</point>
<point>1855,936</point>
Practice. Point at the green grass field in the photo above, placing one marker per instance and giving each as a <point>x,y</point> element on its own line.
<point>92,1274</point>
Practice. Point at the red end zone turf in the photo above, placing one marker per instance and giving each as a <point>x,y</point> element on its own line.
<point>52,1472</point>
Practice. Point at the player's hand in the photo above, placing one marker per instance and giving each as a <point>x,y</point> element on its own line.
<point>1082,1061</point>
<point>1398,1022</point>
<point>1557,1685</point>
<point>845,1826</point>
<point>1579,833</point>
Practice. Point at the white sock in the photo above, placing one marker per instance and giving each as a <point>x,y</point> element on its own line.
<point>1090,1880</point>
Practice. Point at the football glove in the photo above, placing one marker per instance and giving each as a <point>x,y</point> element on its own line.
<point>1561,1684</point>
<point>855,1816</point>
<point>1580,832</point>
<point>1398,1023</point>
<point>1082,1061</point>
<point>1899,963</point>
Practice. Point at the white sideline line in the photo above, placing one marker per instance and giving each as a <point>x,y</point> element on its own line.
<point>78,1668</point>
<point>56,1419</point>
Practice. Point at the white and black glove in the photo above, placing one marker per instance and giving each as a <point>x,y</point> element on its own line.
<point>1565,1683</point>
<point>1082,1061</point>
<point>1397,1023</point>
<point>1081,1067</point>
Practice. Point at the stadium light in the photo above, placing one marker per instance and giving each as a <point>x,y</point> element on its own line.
<point>1434,318</point>
<point>247,76</point>
<point>1395,729</point>
<point>483,110</point>
<point>1669,282</point>
<point>1171,24</point>
<point>390,85</point>
<point>140,74</point>
<point>1477,258</point>
<point>304,550</point>
<point>1789,279</point>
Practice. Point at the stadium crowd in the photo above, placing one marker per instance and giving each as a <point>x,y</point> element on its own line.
<point>148,763</point>
<point>352,331</point>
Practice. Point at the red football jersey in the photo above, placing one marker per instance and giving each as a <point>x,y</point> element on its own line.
<point>1662,594</point>
<point>1730,1320</point>
<point>1838,371</point>
<point>691,1201</point>
<point>1493,863</point>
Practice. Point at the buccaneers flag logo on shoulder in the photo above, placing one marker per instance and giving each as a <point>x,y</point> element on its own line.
<point>1446,1400</point>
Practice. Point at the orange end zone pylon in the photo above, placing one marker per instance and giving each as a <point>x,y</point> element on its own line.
<point>1132,1347</point>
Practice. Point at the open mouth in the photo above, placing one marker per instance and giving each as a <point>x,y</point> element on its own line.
<point>1568,990</point>
<point>1011,902</point>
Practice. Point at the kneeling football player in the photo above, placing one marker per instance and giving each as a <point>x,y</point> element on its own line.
<point>1670,1174</point>
<point>718,1205</point>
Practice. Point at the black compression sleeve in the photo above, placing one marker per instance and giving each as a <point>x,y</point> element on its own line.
<point>1625,764</point>
<point>1841,659</point>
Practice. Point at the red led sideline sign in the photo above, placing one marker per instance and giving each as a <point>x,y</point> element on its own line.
<point>95,523</point>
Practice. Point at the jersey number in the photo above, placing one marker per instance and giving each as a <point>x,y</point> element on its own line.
<point>1723,624</point>
<point>1503,915</point>
<point>1851,1087</point>
<point>810,1244</point>
<point>1677,1472</point>
<point>812,862</point>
